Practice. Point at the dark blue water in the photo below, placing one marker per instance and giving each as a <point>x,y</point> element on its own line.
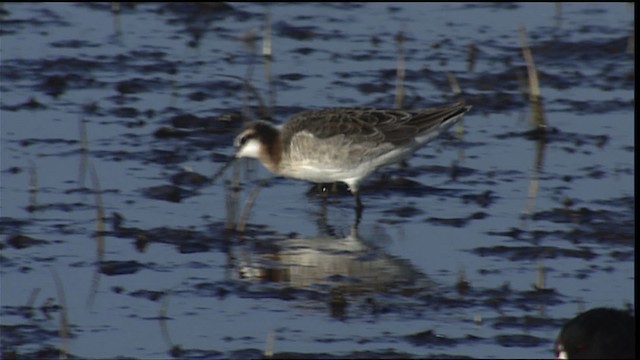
<point>102,109</point>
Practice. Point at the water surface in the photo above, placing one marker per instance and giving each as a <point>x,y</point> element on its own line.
<point>481,246</point>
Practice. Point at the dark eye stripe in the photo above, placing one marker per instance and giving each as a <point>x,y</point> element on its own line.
<point>244,139</point>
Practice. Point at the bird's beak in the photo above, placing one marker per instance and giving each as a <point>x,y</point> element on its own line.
<point>222,169</point>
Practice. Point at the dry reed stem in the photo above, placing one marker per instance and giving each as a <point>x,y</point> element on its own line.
<point>230,207</point>
<point>400,71</point>
<point>455,87</point>
<point>266,40</point>
<point>100,242</point>
<point>558,14</point>
<point>84,154</point>
<point>33,186</point>
<point>268,351</point>
<point>249,89</point>
<point>162,318</point>
<point>63,329</point>
<point>534,184</point>
<point>540,277</point>
<point>631,43</point>
<point>32,297</point>
<point>242,222</point>
<point>534,87</point>
<point>472,52</point>
<point>232,192</point>
<point>267,55</point>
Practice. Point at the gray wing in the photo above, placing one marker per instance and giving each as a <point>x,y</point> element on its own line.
<point>338,136</point>
<point>347,133</point>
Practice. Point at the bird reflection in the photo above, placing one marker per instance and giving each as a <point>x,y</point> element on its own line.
<point>348,261</point>
<point>338,268</point>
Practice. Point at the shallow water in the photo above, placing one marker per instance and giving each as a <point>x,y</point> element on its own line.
<point>112,120</point>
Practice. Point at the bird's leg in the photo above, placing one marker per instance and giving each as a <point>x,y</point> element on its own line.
<point>359,206</point>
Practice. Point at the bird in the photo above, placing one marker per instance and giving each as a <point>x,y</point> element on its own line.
<point>600,333</point>
<point>343,144</point>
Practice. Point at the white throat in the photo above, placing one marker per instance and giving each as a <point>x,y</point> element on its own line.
<point>250,149</point>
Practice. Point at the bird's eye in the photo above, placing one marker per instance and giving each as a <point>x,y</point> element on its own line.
<point>243,140</point>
